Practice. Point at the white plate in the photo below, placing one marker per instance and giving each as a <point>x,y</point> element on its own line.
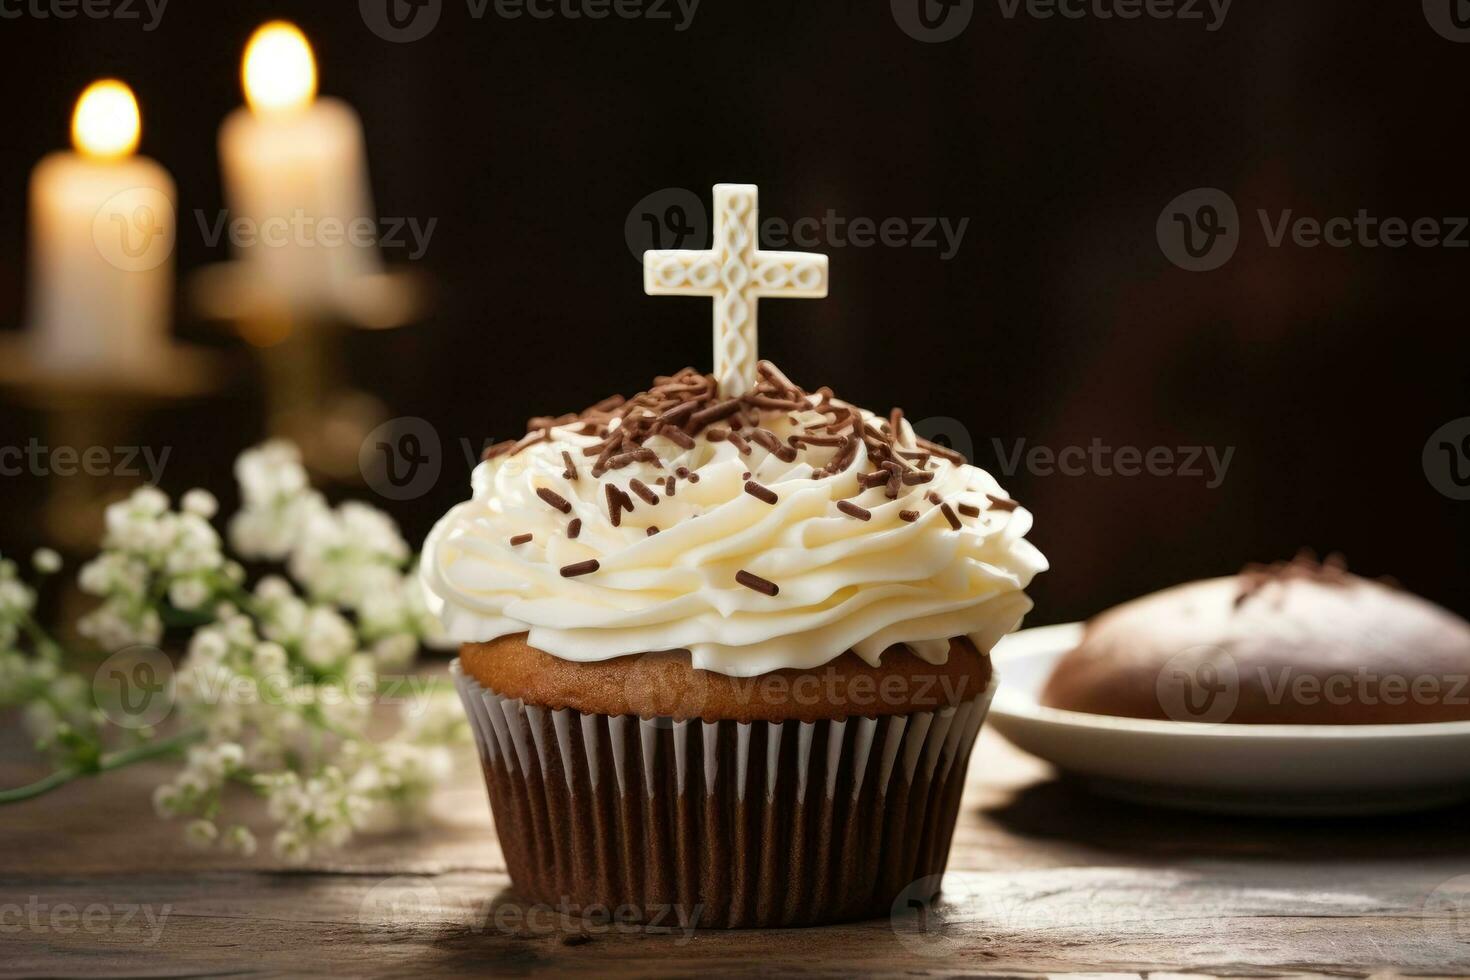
<point>1261,769</point>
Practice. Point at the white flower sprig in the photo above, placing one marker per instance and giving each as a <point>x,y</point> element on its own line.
<point>277,684</point>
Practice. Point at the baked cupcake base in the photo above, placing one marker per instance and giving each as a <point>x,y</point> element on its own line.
<point>722,823</point>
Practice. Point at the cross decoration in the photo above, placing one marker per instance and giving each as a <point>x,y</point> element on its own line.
<point>736,273</point>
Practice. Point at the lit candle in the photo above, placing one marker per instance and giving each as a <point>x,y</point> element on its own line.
<point>295,172</point>
<point>102,239</point>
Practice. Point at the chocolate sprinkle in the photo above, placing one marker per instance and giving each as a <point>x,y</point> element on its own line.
<point>652,530</point>
<point>677,436</point>
<point>853,510</point>
<point>943,452</point>
<point>642,490</point>
<point>614,505</point>
<point>1002,503</point>
<point>772,444</point>
<point>714,413</point>
<point>678,413</point>
<point>633,456</point>
<point>750,581</point>
<point>969,510</point>
<point>579,568</point>
<point>554,499</point>
<point>687,404</point>
<point>949,515</point>
<point>760,492</point>
<point>498,449</point>
<point>1331,570</point>
<point>574,528</point>
<point>519,539</point>
<point>909,515</point>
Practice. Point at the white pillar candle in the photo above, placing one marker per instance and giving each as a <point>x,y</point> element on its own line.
<point>295,173</point>
<point>101,243</point>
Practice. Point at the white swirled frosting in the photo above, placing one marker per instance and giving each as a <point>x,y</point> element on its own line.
<point>844,583</point>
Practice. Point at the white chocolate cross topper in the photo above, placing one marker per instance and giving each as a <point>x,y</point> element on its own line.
<point>737,274</point>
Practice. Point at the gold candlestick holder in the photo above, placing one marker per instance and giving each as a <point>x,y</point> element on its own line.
<point>300,343</point>
<point>96,409</point>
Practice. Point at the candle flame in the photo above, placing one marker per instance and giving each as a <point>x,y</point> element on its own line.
<point>279,72</point>
<point>106,124</point>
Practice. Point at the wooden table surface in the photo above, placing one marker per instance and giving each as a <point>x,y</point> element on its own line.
<point>1044,878</point>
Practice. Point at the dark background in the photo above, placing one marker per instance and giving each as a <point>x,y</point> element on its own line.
<point>1059,320</point>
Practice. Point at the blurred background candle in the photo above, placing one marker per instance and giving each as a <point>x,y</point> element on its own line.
<point>295,172</point>
<point>102,236</point>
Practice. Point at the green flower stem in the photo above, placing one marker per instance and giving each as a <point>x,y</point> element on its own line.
<point>239,595</point>
<point>108,763</point>
<point>42,639</point>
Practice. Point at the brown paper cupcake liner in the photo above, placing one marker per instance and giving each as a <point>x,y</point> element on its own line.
<point>722,823</point>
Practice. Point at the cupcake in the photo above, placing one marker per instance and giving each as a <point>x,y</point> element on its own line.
<point>726,657</point>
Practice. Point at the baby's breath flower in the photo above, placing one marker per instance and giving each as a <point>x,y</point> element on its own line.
<point>239,840</point>
<point>201,503</point>
<point>326,638</point>
<point>41,721</point>
<point>269,658</point>
<point>16,600</point>
<point>46,561</point>
<point>278,501</point>
<point>166,800</point>
<point>188,593</point>
<point>14,676</point>
<point>200,833</point>
<point>209,645</point>
<point>273,589</point>
<point>119,623</point>
<point>229,756</point>
<point>148,501</point>
<point>289,847</point>
<point>191,784</point>
<point>279,682</point>
<point>348,554</point>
